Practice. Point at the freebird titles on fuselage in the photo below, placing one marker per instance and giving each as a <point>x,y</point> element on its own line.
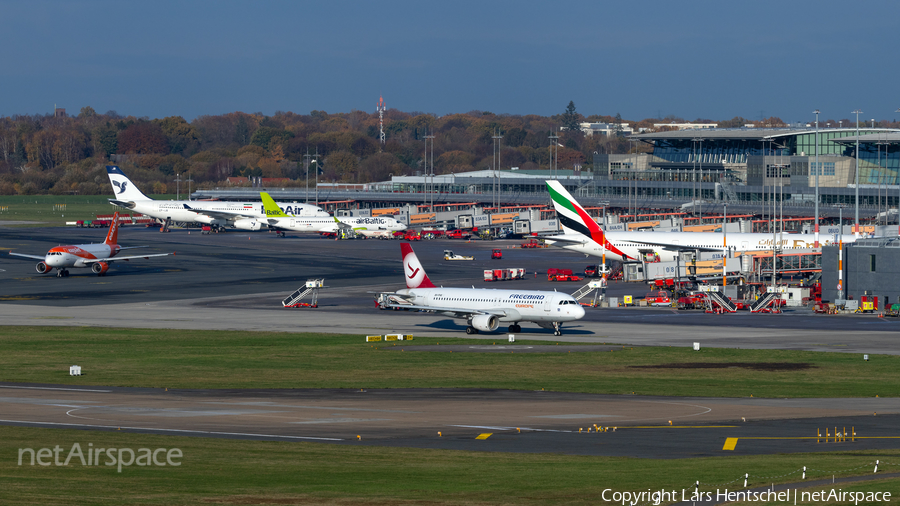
<point>483,309</point>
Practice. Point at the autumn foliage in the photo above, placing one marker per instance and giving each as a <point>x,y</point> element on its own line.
<point>49,154</point>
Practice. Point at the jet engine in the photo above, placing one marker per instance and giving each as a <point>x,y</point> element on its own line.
<point>100,268</point>
<point>249,224</point>
<point>486,322</point>
<point>42,268</point>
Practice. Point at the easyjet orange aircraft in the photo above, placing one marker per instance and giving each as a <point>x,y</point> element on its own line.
<point>96,256</point>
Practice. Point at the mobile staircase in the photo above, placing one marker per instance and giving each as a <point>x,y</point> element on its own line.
<point>312,287</point>
<point>762,305</point>
<point>719,303</point>
<point>597,286</point>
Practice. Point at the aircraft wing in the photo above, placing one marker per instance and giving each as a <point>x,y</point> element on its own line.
<point>116,259</point>
<point>678,247</point>
<point>122,203</point>
<point>455,312</point>
<point>223,215</point>
<point>27,256</point>
<point>567,239</point>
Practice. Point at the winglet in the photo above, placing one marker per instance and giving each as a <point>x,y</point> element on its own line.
<point>271,208</point>
<point>574,219</point>
<point>113,235</point>
<point>412,269</point>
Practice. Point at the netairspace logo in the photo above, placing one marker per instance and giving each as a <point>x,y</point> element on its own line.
<point>120,457</point>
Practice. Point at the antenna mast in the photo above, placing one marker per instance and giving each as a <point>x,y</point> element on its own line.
<point>380,108</point>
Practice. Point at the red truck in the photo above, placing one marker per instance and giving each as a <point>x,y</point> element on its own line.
<point>561,275</point>
<point>458,234</point>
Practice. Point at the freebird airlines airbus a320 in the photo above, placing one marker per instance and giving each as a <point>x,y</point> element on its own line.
<point>96,256</point>
<point>240,215</point>
<point>484,309</point>
<point>368,227</point>
<point>584,235</point>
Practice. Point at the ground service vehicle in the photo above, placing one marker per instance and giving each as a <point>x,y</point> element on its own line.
<point>449,255</point>
<point>660,298</point>
<point>496,254</point>
<point>561,275</point>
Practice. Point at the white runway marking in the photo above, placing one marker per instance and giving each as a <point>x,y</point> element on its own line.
<point>507,428</point>
<point>174,430</point>
<point>57,388</point>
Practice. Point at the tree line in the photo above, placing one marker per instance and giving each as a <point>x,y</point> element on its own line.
<point>60,154</point>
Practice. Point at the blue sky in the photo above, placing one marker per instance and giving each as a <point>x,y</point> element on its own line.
<point>691,59</point>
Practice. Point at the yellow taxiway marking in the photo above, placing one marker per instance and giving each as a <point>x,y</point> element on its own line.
<point>823,437</point>
<point>677,427</point>
<point>484,436</point>
<point>730,443</point>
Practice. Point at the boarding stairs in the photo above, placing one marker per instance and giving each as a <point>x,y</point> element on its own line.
<point>762,304</point>
<point>597,286</point>
<point>719,303</point>
<point>312,287</point>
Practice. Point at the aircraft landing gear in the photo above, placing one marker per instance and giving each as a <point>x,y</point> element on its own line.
<point>62,273</point>
<point>471,330</point>
<point>515,329</point>
<point>556,331</point>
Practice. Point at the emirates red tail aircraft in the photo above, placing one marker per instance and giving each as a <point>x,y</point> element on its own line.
<point>96,256</point>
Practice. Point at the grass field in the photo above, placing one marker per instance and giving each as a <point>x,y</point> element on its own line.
<point>45,208</point>
<point>214,359</point>
<point>218,471</point>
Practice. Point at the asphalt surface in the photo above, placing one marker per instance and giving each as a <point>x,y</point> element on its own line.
<point>507,421</point>
<point>235,281</point>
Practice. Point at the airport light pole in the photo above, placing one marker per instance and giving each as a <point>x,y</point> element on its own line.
<point>841,207</point>
<point>554,139</point>
<point>308,163</point>
<point>725,244</point>
<point>856,199</point>
<point>898,197</point>
<point>818,169</point>
<point>497,138</point>
<point>604,203</point>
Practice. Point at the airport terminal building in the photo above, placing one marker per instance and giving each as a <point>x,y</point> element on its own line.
<point>747,168</point>
<point>749,165</point>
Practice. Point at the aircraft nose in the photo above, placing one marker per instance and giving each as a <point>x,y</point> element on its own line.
<point>579,311</point>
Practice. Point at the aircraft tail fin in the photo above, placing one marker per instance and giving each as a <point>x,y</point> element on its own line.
<point>573,218</point>
<point>271,208</point>
<point>112,237</point>
<point>123,188</point>
<point>412,269</point>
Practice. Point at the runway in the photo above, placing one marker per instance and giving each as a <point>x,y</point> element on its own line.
<point>235,281</point>
<point>513,421</point>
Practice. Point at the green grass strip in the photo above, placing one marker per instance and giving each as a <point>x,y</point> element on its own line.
<point>233,359</point>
